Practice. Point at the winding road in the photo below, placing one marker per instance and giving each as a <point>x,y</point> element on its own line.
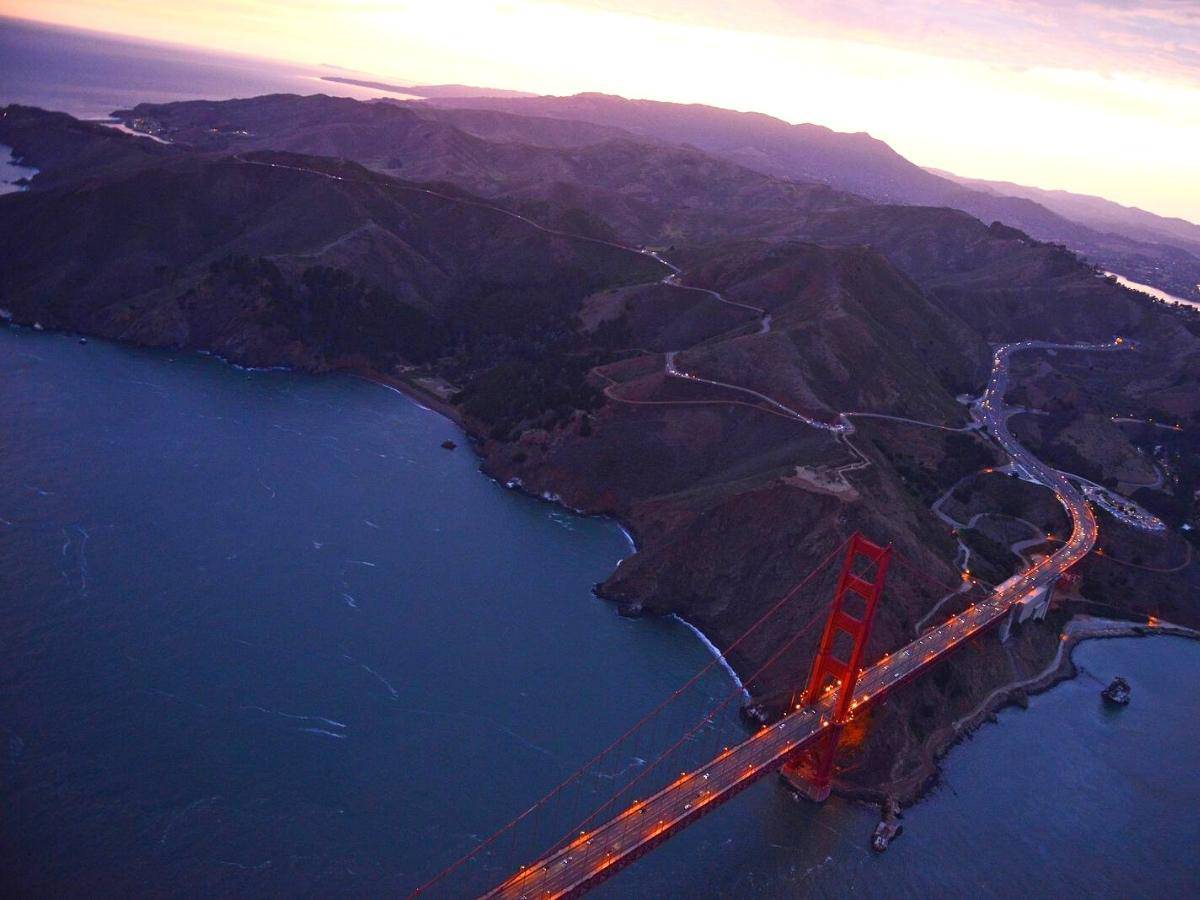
<point>840,427</point>
<point>990,412</point>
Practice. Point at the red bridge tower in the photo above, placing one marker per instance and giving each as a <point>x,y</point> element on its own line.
<point>858,591</point>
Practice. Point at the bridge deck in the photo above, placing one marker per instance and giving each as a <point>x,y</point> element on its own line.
<point>596,855</point>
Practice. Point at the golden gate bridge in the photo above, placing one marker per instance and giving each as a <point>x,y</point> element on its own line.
<point>611,811</point>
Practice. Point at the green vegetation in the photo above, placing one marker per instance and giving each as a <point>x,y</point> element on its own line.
<point>539,390</point>
<point>999,561</point>
<point>962,455</point>
<point>333,311</point>
<point>345,314</point>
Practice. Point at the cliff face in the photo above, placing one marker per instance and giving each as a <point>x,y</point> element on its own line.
<point>564,352</point>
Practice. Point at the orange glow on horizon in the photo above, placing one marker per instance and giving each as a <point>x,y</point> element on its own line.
<point>1017,112</point>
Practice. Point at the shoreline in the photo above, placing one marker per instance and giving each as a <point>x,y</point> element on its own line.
<point>1158,295</point>
<point>1079,628</point>
<point>423,399</point>
<point>434,404</point>
<point>911,791</point>
<point>712,648</point>
<point>19,169</point>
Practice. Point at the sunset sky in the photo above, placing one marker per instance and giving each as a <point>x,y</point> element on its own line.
<point>1094,96</point>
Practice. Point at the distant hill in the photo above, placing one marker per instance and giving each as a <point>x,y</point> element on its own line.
<point>865,165</point>
<point>65,148</point>
<point>278,258</point>
<point>601,180</point>
<point>650,191</point>
<point>650,171</point>
<point>1095,212</point>
<point>427,90</point>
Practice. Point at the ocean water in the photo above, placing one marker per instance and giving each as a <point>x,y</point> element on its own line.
<point>1154,292</point>
<point>12,172</point>
<point>264,636</point>
<point>89,75</point>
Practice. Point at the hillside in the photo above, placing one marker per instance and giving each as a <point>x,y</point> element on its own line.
<point>864,165</point>
<point>848,332</point>
<point>641,192</point>
<point>267,265</point>
<point>1096,212</point>
<point>63,148</point>
<point>628,170</point>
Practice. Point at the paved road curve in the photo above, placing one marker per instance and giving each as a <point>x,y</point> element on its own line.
<point>597,854</point>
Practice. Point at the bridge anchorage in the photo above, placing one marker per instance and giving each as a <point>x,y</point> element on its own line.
<point>810,771</point>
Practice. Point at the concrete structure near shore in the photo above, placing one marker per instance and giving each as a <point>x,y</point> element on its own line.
<point>1032,605</point>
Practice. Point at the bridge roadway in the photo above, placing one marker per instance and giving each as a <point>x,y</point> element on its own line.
<point>595,855</point>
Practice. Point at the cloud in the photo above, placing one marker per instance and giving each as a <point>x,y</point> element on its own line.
<point>1155,38</point>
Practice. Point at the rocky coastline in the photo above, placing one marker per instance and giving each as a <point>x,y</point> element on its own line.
<point>1080,628</point>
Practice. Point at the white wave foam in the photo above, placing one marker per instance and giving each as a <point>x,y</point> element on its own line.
<point>629,537</point>
<point>387,684</point>
<point>275,712</point>
<point>395,390</point>
<point>715,652</point>
<point>340,737</point>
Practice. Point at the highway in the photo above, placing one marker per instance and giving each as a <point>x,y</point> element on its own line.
<point>595,855</point>
<point>674,371</point>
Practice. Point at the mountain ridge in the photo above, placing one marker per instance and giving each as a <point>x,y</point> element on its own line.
<point>1096,212</point>
<point>861,164</point>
